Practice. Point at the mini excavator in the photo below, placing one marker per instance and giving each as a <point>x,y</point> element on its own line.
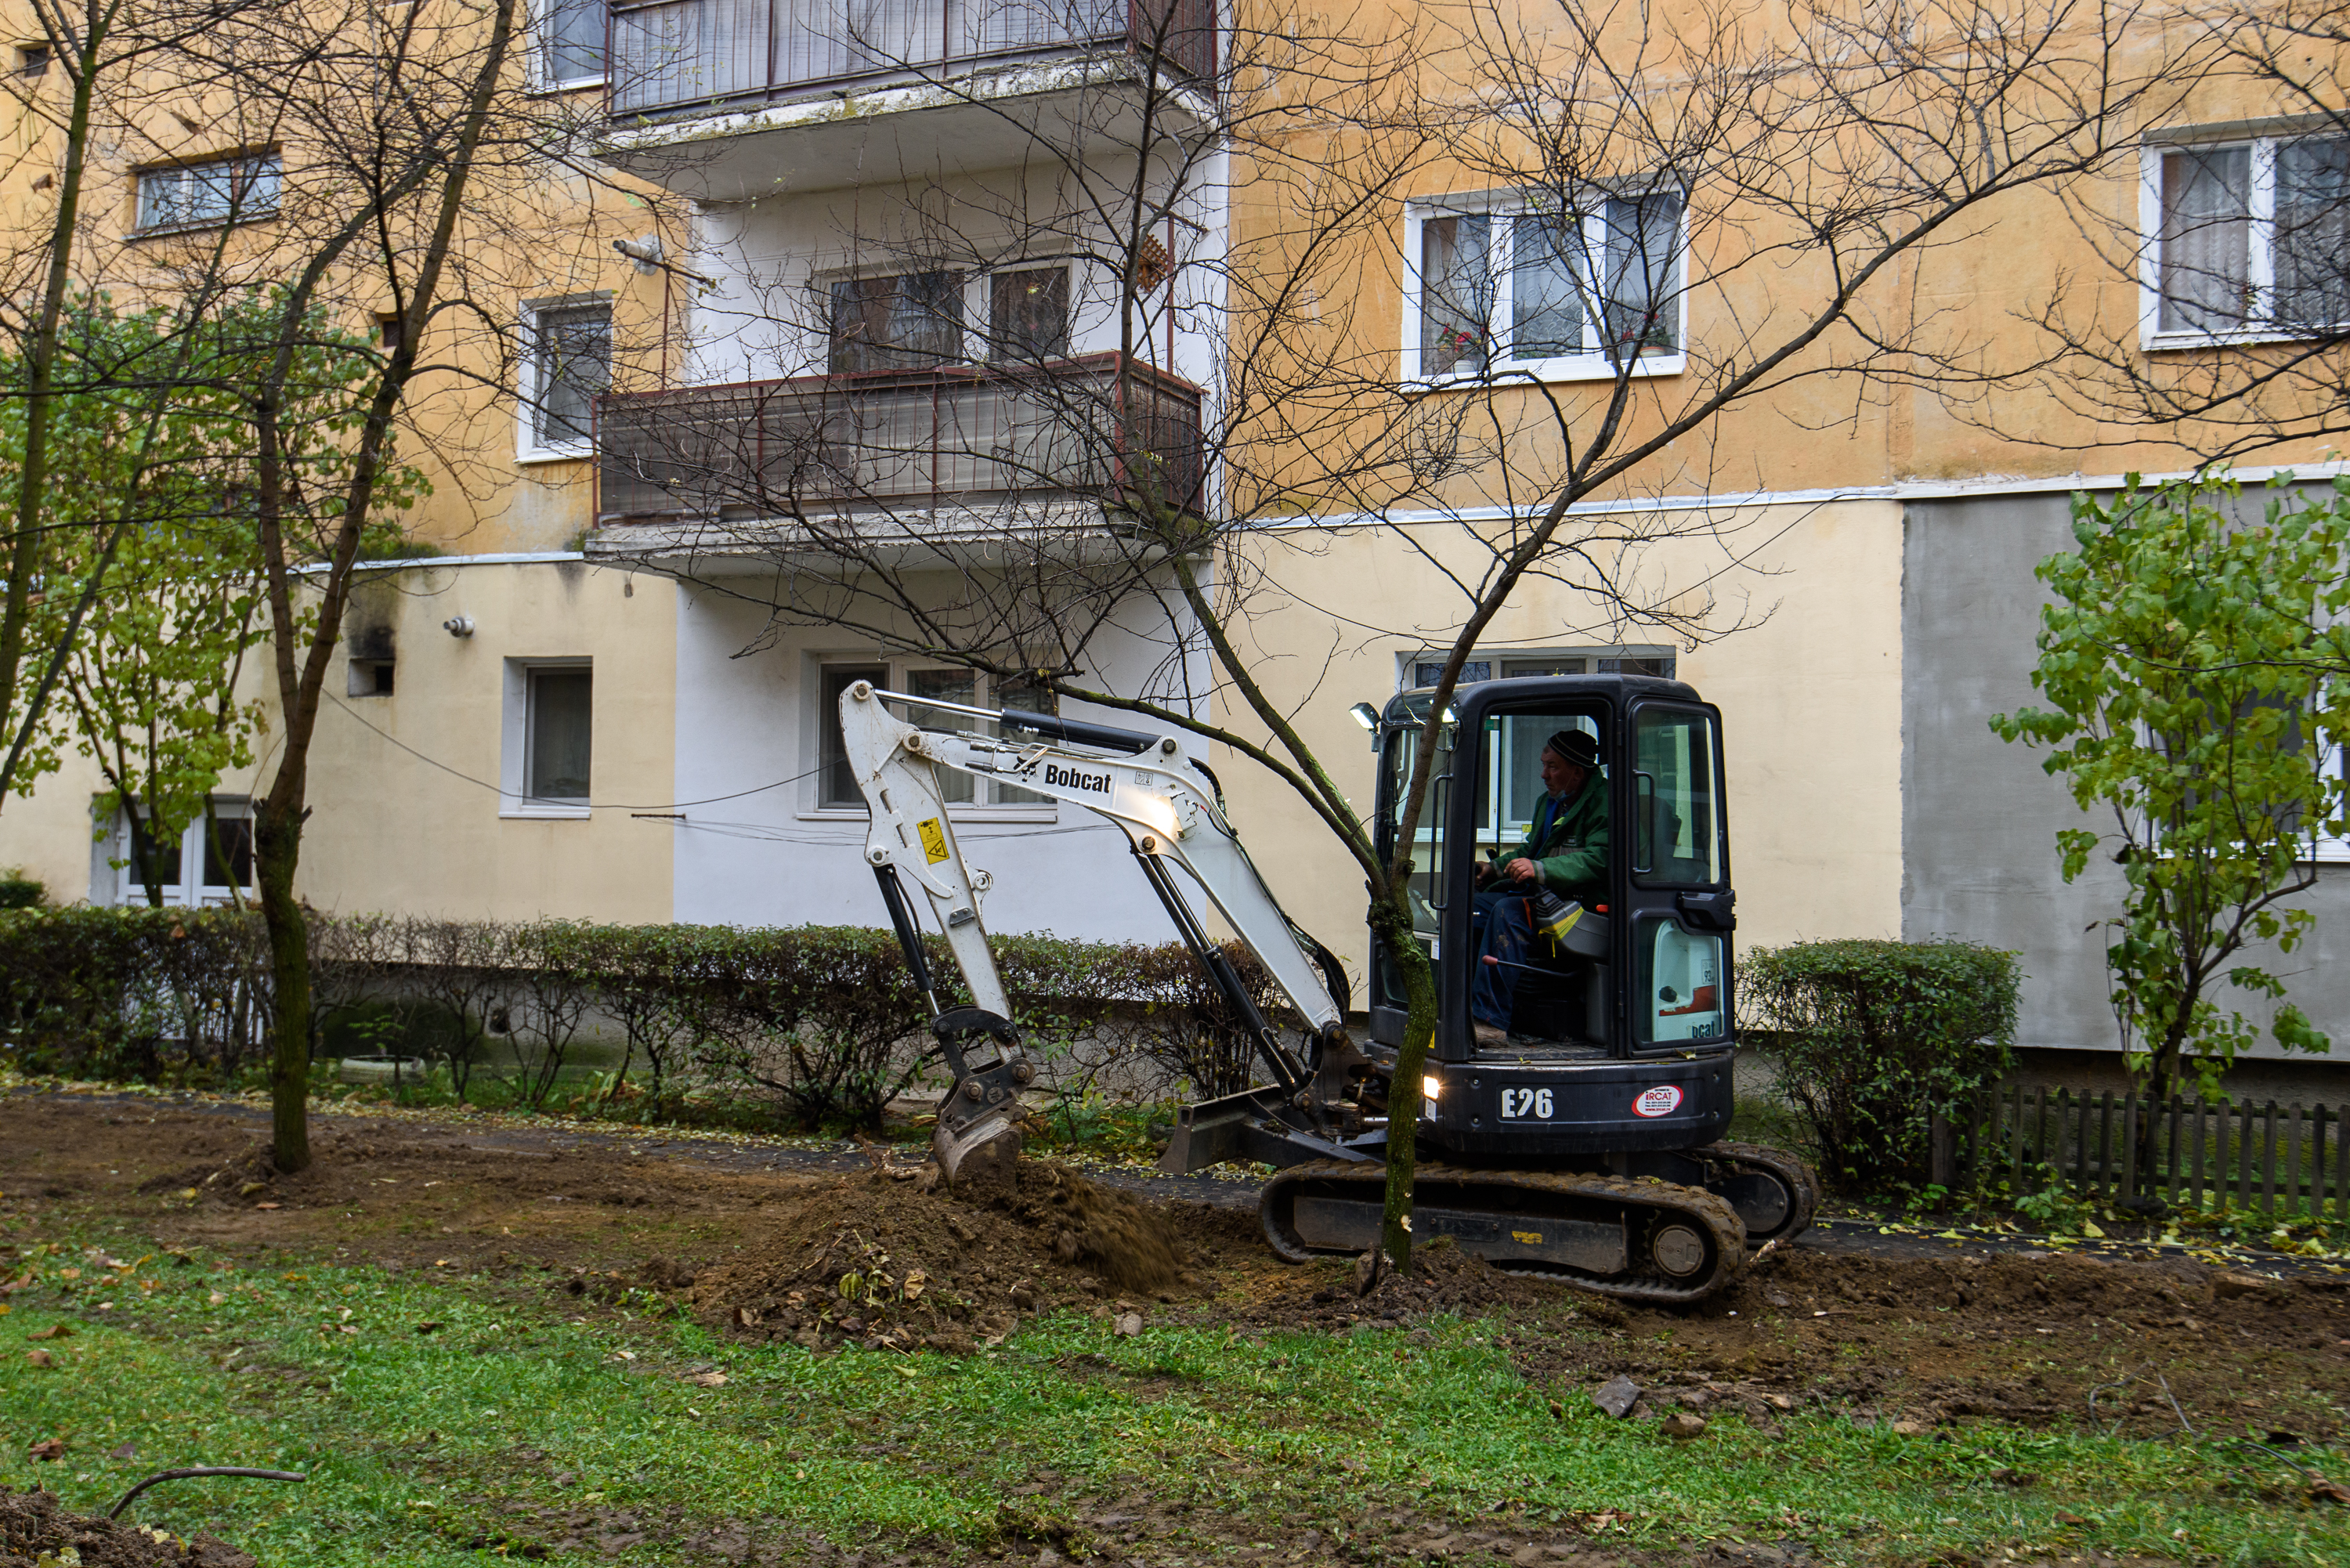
<point>1587,1148</point>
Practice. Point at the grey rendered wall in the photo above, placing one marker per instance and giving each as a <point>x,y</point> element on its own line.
<point>1978,817</point>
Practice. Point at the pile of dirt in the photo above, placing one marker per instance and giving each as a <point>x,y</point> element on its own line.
<point>35,1527</point>
<point>893,1257</point>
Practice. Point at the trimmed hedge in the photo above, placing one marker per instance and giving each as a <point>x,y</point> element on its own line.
<point>1874,1037</point>
<point>823,1021</point>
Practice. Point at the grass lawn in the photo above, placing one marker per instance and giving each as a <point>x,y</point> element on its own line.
<point>442,1416</point>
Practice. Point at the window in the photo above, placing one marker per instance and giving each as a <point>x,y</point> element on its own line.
<point>1559,295</point>
<point>2249,239</point>
<point>568,365</point>
<point>209,862</point>
<point>33,59</point>
<point>388,328</point>
<point>570,43</point>
<point>1426,667</point>
<point>562,732</point>
<point>1028,315</point>
<point>912,321</point>
<point>549,738</point>
<point>200,195</point>
<point>371,678</point>
<point>836,783</point>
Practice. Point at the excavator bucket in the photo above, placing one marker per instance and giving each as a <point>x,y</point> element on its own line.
<point>985,1147</point>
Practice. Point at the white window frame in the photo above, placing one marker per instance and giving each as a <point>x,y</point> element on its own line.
<point>187,889</point>
<point>144,180</point>
<point>2260,260</point>
<point>541,79</point>
<point>1594,364</point>
<point>528,386</point>
<point>515,801</point>
<point>2327,849</point>
<point>985,808</point>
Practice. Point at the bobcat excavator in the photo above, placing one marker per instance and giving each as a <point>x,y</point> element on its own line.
<point>1586,1149</point>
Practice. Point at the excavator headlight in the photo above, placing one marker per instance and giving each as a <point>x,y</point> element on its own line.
<point>1431,1086</point>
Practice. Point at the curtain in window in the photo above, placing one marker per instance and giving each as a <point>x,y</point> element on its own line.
<point>1028,315</point>
<point>571,39</point>
<point>1644,267</point>
<point>560,733</point>
<point>2206,238</point>
<point>945,686</point>
<point>2312,233</point>
<point>575,367</point>
<point>1545,305</point>
<point>1456,294</point>
<point>910,322</point>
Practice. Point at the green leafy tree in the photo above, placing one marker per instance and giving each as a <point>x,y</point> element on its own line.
<point>151,681</point>
<point>2198,676</point>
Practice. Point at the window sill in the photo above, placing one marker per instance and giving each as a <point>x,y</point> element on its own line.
<point>2247,338</point>
<point>557,90</point>
<point>202,227</point>
<point>544,810</point>
<point>1552,372</point>
<point>955,814</point>
<point>532,456</point>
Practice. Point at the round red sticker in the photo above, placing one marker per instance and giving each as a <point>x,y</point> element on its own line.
<point>1661,1101</point>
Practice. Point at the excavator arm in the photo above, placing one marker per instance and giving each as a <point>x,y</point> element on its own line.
<point>1165,801</point>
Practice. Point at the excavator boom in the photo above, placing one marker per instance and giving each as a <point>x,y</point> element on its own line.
<point>1164,801</point>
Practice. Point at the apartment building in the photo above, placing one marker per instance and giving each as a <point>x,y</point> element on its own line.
<point>888,278</point>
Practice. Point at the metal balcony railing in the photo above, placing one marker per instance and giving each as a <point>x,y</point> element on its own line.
<point>1090,429</point>
<point>672,56</point>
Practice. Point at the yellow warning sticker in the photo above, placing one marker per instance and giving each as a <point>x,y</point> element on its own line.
<point>1526,1238</point>
<point>934,838</point>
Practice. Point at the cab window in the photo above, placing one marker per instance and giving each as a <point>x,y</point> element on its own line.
<point>1676,800</point>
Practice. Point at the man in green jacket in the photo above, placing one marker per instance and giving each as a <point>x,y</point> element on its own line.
<point>1564,850</point>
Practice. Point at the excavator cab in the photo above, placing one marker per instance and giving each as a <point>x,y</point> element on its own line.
<point>1618,1013</point>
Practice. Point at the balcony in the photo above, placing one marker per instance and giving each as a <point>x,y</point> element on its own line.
<point>699,76</point>
<point>932,457</point>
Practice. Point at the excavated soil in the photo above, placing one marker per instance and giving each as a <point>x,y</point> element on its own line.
<point>34,1523</point>
<point>766,1243</point>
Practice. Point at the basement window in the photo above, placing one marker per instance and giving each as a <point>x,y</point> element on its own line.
<point>371,678</point>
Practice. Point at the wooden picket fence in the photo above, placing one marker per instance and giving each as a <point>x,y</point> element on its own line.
<point>2288,1161</point>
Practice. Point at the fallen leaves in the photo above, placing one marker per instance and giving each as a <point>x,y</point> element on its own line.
<point>54,1331</point>
<point>48,1450</point>
<point>707,1380</point>
<point>39,1358</point>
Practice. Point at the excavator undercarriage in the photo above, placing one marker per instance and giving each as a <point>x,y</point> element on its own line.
<point>1588,1149</point>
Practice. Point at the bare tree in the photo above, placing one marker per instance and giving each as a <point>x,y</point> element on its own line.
<point>1744,197</point>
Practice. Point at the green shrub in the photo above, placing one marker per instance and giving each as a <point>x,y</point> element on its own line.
<point>1874,1037</point>
<point>822,1022</point>
<point>18,891</point>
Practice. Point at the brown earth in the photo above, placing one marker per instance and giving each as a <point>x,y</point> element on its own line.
<point>33,1523</point>
<point>763,1242</point>
<point>2016,1335</point>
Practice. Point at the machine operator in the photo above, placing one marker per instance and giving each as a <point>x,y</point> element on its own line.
<point>1564,850</point>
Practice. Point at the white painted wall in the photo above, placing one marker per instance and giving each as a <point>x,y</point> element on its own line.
<point>775,858</point>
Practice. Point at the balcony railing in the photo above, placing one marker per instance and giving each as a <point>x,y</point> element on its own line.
<point>954,437</point>
<point>668,55</point>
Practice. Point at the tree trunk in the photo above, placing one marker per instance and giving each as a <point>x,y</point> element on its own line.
<point>1392,920</point>
<point>277,844</point>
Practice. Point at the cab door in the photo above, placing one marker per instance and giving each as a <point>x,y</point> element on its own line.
<point>1679,897</point>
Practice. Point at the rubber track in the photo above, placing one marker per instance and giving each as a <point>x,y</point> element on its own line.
<point>1794,1172</point>
<point>1651,1287</point>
